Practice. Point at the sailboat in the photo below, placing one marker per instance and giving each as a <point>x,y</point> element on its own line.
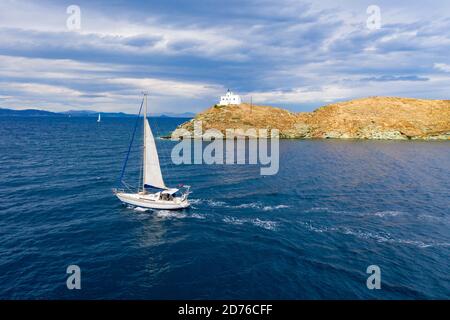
<point>99,118</point>
<point>152,192</point>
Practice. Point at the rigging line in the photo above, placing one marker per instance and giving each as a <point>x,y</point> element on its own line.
<point>141,174</point>
<point>131,143</point>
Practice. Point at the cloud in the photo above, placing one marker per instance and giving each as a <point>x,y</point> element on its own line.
<point>296,53</point>
<point>42,89</point>
<point>390,78</point>
<point>300,95</point>
<point>170,87</point>
<point>442,67</point>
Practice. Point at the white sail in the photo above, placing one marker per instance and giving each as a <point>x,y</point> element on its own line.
<point>152,169</point>
<point>167,199</point>
<point>99,118</point>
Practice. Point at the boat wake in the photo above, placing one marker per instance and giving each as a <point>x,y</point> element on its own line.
<point>375,236</point>
<point>251,205</point>
<point>139,209</point>
<point>167,214</point>
<point>379,214</point>
<point>265,224</point>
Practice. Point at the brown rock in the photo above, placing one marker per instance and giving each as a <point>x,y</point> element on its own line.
<point>368,118</point>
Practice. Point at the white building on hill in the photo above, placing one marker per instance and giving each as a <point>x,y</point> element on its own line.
<point>229,98</point>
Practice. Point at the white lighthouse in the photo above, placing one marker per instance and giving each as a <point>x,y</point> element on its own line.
<point>229,98</point>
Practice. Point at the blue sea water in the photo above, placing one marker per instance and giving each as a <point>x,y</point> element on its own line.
<point>309,232</point>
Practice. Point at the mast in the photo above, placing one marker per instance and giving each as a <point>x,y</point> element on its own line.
<point>144,149</point>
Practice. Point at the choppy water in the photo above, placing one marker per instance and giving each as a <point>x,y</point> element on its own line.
<point>311,231</point>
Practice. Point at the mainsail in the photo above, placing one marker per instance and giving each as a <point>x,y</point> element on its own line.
<point>151,177</point>
<point>152,169</point>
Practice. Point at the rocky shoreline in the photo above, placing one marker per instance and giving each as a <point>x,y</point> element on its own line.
<point>374,118</point>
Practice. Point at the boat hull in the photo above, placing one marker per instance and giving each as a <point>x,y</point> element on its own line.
<point>149,202</point>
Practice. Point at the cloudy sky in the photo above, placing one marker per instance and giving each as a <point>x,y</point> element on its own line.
<point>290,53</point>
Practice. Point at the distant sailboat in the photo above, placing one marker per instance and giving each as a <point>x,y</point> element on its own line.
<point>99,118</point>
<point>162,197</point>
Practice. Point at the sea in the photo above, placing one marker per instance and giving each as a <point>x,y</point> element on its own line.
<point>315,230</point>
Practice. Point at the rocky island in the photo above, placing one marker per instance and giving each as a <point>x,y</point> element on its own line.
<point>381,118</point>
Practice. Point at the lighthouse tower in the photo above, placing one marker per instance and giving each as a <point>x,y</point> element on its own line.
<point>229,98</point>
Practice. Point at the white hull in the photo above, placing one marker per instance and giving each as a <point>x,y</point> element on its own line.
<point>167,198</point>
<point>151,201</point>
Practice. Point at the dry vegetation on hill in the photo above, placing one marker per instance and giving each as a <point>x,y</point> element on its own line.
<point>368,118</point>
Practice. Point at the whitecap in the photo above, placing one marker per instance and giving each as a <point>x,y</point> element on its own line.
<point>271,208</point>
<point>309,226</point>
<point>139,209</point>
<point>254,205</point>
<point>167,214</point>
<point>367,235</point>
<point>213,203</point>
<point>382,214</point>
<point>233,220</point>
<point>251,205</point>
<point>198,216</point>
<point>266,224</point>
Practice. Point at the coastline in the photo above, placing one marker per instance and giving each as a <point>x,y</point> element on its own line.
<point>373,118</point>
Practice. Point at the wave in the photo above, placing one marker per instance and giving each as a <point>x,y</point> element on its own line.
<point>139,209</point>
<point>379,214</point>
<point>170,214</point>
<point>325,210</point>
<point>254,205</point>
<point>382,214</point>
<point>233,220</point>
<point>376,236</point>
<point>198,216</point>
<point>167,214</point>
<point>265,224</point>
<point>251,205</point>
<point>428,217</point>
<point>270,208</point>
<point>210,203</point>
<point>317,209</point>
<point>213,203</point>
<point>195,201</point>
<point>319,229</point>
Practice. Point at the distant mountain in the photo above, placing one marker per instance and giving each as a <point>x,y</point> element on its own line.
<point>173,115</point>
<point>90,113</point>
<point>28,113</point>
<point>80,113</point>
<point>84,113</point>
